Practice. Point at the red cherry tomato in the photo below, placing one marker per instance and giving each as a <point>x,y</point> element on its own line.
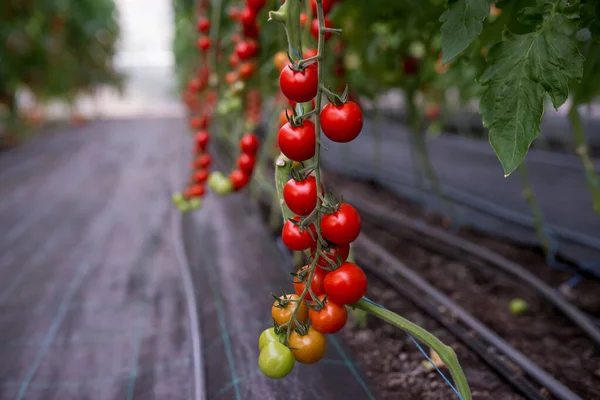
<point>203,161</point>
<point>303,19</point>
<point>246,163</point>
<point>248,16</point>
<point>233,60</point>
<point>238,179</point>
<point>314,29</point>
<point>299,86</point>
<point>298,142</point>
<point>247,49</point>
<point>203,25</point>
<point>330,319</point>
<point>249,144</point>
<point>327,4</point>
<point>295,239</point>
<point>308,53</point>
<point>194,85</point>
<point>202,139</point>
<point>199,122</point>
<point>201,176</point>
<point>231,77</point>
<point>203,43</point>
<point>195,191</point>
<point>234,13</point>
<point>343,123</point>
<point>256,4</point>
<point>341,227</point>
<point>346,285</point>
<point>247,69</point>
<point>410,65</point>
<point>301,196</point>
<point>316,284</point>
<point>251,30</point>
<point>337,254</point>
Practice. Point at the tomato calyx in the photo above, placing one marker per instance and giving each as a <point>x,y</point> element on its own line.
<point>335,99</point>
<point>318,304</point>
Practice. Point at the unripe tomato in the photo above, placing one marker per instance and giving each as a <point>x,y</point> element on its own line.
<point>316,284</point>
<point>327,4</point>
<point>330,319</point>
<point>337,254</point>
<point>201,176</point>
<point>296,239</point>
<point>310,348</point>
<point>314,29</point>
<point>249,144</point>
<point>299,86</point>
<point>276,360</point>
<point>343,123</point>
<point>256,4</point>
<point>280,60</point>
<point>202,139</point>
<point>342,226</point>
<point>246,163</point>
<point>203,25</point>
<point>432,110</point>
<point>203,43</point>
<point>220,183</point>
<point>301,196</point>
<point>247,16</point>
<point>203,161</point>
<point>239,179</point>
<point>247,69</point>
<point>346,285</point>
<point>266,337</point>
<point>298,143</point>
<point>282,315</point>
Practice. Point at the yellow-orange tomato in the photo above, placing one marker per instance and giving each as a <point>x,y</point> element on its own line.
<point>439,67</point>
<point>280,60</point>
<point>231,77</point>
<point>281,315</point>
<point>494,11</point>
<point>309,348</point>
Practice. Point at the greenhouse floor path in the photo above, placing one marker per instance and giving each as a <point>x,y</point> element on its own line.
<point>92,304</point>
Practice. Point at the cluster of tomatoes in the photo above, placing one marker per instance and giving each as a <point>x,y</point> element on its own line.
<point>329,282</point>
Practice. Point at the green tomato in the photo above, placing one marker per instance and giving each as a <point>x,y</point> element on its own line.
<point>267,337</point>
<point>276,360</point>
<point>518,306</point>
<point>195,203</point>
<point>219,183</point>
<point>177,198</point>
<point>184,206</point>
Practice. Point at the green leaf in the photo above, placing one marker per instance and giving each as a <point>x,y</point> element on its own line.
<point>461,23</point>
<point>521,70</point>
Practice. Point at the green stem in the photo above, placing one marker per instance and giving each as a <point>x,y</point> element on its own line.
<point>217,11</point>
<point>583,153</point>
<point>289,15</point>
<point>446,353</point>
<point>538,217</point>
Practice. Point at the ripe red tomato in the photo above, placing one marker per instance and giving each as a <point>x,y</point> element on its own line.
<point>203,25</point>
<point>249,144</point>
<point>246,163</point>
<point>346,285</point>
<point>337,254</point>
<point>195,191</point>
<point>283,117</point>
<point>256,4</point>
<point>238,179</point>
<point>410,65</point>
<point>203,43</point>
<point>247,69</point>
<point>251,30</point>
<point>303,19</point>
<point>299,86</point>
<point>246,49</point>
<point>234,13</point>
<point>202,139</point>
<point>247,16</point>
<point>341,227</point>
<point>316,284</point>
<point>194,85</point>
<point>199,123</point>
<point>231,77</point>
<point>298,142</point>
<point>233,60</point>
<point>314,29</point>
<point>301,196</point>
<point>203,161</point>
<point>327,4</point>
<point>343,123</point>
<point>201,176</point>
<point>330,319</point>
<point>295,239</point>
